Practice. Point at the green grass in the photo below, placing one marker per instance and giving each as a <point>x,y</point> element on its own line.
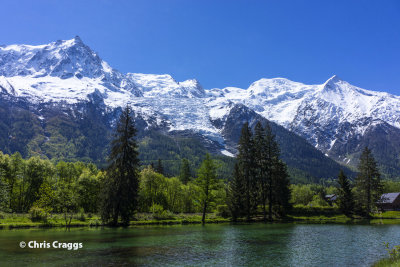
<point>387,262</point>
<point>299,214</point>
<point>387,215</point>
<point>13,220</point>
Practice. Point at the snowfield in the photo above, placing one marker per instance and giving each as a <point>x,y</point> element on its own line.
<point>69,71</point>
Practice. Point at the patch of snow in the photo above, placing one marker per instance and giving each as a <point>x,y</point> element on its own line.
<point>227,153</point>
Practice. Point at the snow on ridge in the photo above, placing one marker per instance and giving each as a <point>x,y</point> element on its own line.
<point>68,76</point>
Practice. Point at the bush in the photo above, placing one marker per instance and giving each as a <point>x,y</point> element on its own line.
<point>160,214</point>
<point>223,211</point>
<point>2,215</point>
<point>37,214</point>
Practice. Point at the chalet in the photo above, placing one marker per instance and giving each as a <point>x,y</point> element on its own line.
<point>331,198</point>
<point>389,201</point>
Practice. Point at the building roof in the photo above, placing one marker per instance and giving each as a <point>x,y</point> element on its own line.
<point>331,197</point>
<point>388,197</point>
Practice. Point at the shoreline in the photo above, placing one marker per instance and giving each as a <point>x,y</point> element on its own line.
<point>94,223</point>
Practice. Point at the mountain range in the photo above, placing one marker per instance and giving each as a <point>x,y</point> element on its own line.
<point>61,100</point>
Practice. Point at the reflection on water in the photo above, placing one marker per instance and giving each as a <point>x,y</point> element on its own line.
<point>222,245</point>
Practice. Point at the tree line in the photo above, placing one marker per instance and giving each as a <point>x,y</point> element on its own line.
<point>259,184</point>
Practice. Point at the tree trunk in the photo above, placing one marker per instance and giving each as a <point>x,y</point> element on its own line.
<point>203,219</point>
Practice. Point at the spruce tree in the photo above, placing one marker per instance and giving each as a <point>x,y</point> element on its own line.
<point>120,189</point>
<point>368,183</point>
<point>246,165</point>
<point>345,196</point>
<point>185,173</point>
<point>235,194</point>
<point>207,181</point>
<point>263,168</point>
<point>280,188</point>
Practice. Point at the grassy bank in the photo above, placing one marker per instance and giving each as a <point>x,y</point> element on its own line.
<point>387,263</point>
<point>10,221</point>
<point>299,214</point>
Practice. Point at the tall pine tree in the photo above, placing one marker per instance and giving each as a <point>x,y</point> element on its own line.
<point>368,183</point>
<point>280,188</point>
<point>271,173</point>
<point>345,196</point>
<point>246,164</point>
<point>120,189</point>
<point>235,194</point>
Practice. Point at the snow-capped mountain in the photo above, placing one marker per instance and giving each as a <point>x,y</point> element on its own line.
<point>330,116</point>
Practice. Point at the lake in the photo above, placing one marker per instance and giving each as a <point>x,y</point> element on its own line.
<point>214,244</point>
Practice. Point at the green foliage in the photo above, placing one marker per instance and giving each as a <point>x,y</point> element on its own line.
<point>259,177</point>
<point>151,190</point>
<point>368,183</point>
<point>318,201</point>
<point>160,214</point>
<point>185,173</point>
<point>207,182</point>
<point>37,214</point>
<point>4,196</point>
<point>88,189</point>
<point>302,194</point>
<point>119,198</point>
<point>46,198</point>
<point>235,193</point>
<point>67,201</point>
<point>345,197</point>
<point>246,168</point>
<point>390,186</point>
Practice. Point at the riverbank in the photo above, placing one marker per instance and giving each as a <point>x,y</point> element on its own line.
<point>13,221</point>
<point>387,263</point>
<point>310,216</point>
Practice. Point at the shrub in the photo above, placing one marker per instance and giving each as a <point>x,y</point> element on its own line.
<point>159,213</point>
<point>37,214</point>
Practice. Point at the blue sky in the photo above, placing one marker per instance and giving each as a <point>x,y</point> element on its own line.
<point>224,43</point>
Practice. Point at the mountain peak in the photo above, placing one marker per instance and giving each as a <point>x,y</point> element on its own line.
<point>333,79</point>
<point>333,84</point>
<point>77,39</point>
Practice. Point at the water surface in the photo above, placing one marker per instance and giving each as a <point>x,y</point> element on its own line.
<point>214,244</point>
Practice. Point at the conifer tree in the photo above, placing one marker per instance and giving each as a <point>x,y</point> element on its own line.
<point>207,181</point>
<point>246,165</point>
<point>345,196</point>
<point>368,183</point>
<point>185,173</point>
<point>121,185</point>
<point>263,168</point>
<point>235,196</point>
<point>271,172</point>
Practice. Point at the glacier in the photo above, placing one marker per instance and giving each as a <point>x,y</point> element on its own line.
<point>68,71</point>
